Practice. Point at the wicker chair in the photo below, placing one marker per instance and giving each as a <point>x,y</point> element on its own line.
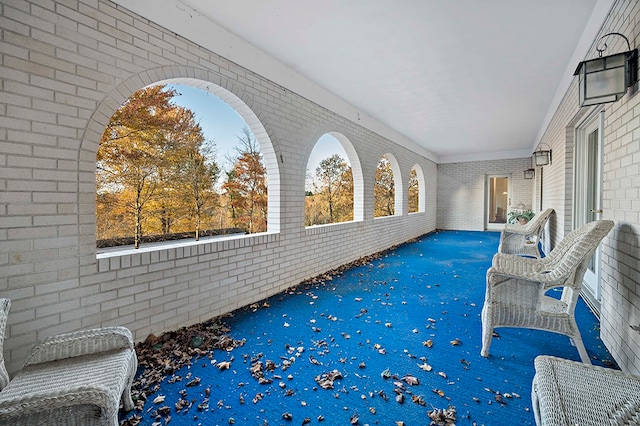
<point>524,239</point>
<point>70,379</point>
<point>567,393</point>
<point>516,286</point>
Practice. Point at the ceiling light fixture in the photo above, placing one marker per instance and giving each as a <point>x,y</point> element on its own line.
<point>606,79</point>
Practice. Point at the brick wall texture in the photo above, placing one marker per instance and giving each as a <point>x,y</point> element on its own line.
<point>620,265</point>
<point>66,66</point>
<point>462,189</point>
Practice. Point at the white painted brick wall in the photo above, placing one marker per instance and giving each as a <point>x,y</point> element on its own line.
<point>65,68</point>
<point>462,187</point>
<point>620,308</point>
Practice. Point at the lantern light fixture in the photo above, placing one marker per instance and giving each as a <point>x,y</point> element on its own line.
<point>529,173</point>
<point>607,78</point>
<point>542,157</point>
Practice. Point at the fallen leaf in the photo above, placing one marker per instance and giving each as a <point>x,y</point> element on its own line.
<point>442,416</point>
<point>418,399</point>
<point>224,365</point>
<point>425,367</point>
<point>411,380</point>
<point>194,382</point>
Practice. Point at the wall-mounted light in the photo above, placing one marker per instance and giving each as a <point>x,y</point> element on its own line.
<point>529,173</point>
<point>606,79</point>
<point>542,157</point>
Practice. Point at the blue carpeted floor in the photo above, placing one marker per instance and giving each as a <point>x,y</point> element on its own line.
<point>406,324</point>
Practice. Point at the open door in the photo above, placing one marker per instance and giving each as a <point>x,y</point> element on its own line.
<point>588,195</point>
<point>497,201</point>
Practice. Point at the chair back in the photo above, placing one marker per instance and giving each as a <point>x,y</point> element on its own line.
<point>539,221</point>
<point>573,253</point>
<point>535,225</point>
<point>5,304</point>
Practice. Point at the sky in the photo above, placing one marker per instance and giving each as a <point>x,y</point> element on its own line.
<point>220,123</point>
<point>223,125</point>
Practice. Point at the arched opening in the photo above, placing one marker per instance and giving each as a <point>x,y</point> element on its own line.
<point>253,133</point>
<point>328,184</point>
<point>416,190</point>
<point>387,189</point>
<point>333,182</point>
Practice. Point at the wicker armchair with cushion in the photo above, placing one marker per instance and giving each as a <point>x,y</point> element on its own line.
<point>524,239</point>
<point>70,379</point>
<point>567,392</point>
<point>517,286</point>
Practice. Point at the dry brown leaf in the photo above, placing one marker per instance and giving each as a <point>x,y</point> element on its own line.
<point>425,367</point>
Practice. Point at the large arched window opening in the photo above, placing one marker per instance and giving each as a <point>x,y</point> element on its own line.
<point>387,190</point>
<point>328,184</point>
<point>333,182</point>
<point>416,190</point>
<point>182,161</point>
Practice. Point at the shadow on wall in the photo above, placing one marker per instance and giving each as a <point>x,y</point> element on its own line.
<point>627,241</point>
<point>551,228</point>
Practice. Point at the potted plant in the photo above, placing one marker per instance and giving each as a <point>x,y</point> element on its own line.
<point>521,217</point>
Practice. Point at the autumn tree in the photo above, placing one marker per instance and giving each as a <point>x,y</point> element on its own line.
<point>193,169</point>
<point>141,158</point>
<point>332,198</point>
<point>246,186</point>
<point>383,190</point>
<point>113,216</point>
<point>200,173</point>
<point>413,191</point>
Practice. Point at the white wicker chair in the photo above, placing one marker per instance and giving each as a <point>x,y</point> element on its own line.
<point>70,379</point>
<point>516,286</point>
<point>524,239</point>
<point>567,393</point>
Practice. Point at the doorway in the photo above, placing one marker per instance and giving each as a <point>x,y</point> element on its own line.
<point>588,194</point>
<point>497,201</point>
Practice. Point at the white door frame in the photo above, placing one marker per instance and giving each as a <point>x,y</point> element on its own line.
<point>487,213</point>
<point>588,194</point>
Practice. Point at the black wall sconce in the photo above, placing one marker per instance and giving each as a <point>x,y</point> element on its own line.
<point>529,173</point>
<point>606,79</point>
<point>542,157</point>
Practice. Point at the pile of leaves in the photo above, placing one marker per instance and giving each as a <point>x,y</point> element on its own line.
<point>162,356</point>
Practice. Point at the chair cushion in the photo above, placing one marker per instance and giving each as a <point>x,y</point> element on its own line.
<point>96,379</point>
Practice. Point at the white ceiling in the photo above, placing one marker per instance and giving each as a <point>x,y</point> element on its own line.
<point>456,80</point>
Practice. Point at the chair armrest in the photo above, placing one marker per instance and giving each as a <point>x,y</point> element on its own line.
<point>29,405</point>
<point>514,266</point>
<point>80,343</point>
<point>517,229</point>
